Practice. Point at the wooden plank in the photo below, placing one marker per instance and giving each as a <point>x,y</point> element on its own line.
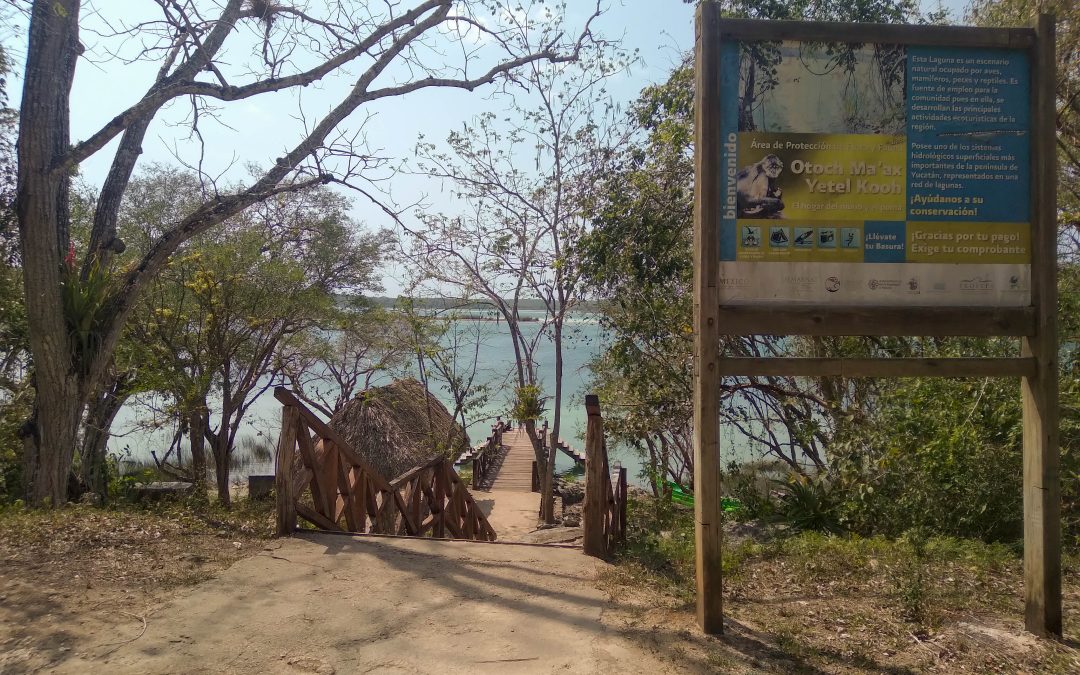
<point>284,487</point>
<point>286,397</point>
<point>622,504</point>
<point>403,510</point>
<point>416,499</point>
<point>301,476</point>
<point>347,487</point>
<point>860,33</point>
<point>1042,483</point>
<point>594,508</point>
<point>329,462</point>
<point>452,505</point>
<point>455,506</point>
<point>708,203</point>
<point>908,367</point>
<point>316,518</point>
<point>363,489</point>
<point>469,528</point>
<point>372,500</point>
<point>411,473</point>
<point>884,321</point>
<point>438,504</point>
<point>313,462</point>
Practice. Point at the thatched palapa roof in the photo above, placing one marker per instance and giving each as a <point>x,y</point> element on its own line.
<point>397,427</point>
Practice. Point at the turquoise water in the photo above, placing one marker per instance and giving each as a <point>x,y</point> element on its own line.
<point>135,438</point>
<point>583,340</point>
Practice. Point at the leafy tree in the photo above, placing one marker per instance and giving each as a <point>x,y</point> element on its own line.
<point>455,361</point>
<point>1023,12</point>
<point>215,53</point>
<point>16,395</point>
<point>520,224</point>
<point>327,369</point>
<point>637,258</point>
<point>215,323</point>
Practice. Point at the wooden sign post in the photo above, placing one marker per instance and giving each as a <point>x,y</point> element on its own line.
<point>941,221</point>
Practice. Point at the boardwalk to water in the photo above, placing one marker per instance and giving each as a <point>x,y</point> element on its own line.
<point>507,497</point>
<point>515,471</point>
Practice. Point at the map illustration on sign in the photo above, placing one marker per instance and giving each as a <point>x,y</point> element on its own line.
<point>875,174</point>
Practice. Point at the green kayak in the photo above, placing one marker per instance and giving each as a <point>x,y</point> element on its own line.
<point>684,498</point>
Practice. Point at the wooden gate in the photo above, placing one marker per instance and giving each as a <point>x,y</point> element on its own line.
<point>323,480</point>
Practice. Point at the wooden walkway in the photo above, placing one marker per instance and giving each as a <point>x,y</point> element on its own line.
<point>515,472</point>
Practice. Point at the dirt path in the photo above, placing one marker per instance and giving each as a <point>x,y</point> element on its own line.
<point>512,513</point>
<point>326,603</point>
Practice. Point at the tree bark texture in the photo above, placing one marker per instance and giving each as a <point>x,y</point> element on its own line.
<point>547,488</point>
<point>99,418</point>
<point>197,442</point>
<point>222,455</point>
<point>44,217</point>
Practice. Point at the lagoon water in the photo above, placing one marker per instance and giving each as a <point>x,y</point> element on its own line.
<point>583,340</point>
<point>583,337</point>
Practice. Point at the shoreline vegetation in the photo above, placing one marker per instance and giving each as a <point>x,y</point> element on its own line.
<point>461,304</point>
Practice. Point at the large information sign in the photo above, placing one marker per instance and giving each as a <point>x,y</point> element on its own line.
<point>883,175</point>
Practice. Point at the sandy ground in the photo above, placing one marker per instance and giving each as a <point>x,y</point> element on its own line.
<point>513,514</point>
<point>329,603</point>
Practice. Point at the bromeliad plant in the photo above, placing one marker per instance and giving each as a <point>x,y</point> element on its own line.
<point>85,301</point>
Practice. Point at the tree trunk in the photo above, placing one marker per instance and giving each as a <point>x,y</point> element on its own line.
<point>530,431</point>
<point>547,496</point>
<point>220,447</point>
<point>44,215</point>
<point>197,441</point>
<point>49,447</point>
<point>99,419</point>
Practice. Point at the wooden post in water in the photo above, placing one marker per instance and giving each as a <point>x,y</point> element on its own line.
<point>594,510</point>
<point>1042,482</point>
<point>283,468</point>
<point>708,205</point>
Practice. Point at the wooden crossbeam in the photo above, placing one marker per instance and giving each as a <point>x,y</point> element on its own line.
<point>894,367</point>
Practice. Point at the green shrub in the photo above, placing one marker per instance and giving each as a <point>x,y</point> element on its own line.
<point>810,504</point>
<point>660,539</point>
<point>750,483</point>
<point>940,453</point>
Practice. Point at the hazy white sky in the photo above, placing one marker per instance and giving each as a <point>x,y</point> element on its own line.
<point>259,129</point>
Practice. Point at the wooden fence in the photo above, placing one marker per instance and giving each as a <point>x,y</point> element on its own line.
<point>321,479</point>
<point>604,514</point>
<point>484,456</point>
<point>436,490</point>
<point>562,446</point>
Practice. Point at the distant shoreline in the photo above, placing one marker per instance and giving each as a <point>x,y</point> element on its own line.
<point>458,304</point>
<point>496,319</point>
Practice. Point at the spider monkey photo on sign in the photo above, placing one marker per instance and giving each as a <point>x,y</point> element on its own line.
<point>757,192</point>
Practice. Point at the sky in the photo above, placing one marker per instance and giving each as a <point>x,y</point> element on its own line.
<point>257,130</point>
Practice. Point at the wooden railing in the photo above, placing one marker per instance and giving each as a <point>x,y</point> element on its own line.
<point>562,446</point>
<point>323,480</point>
<point>604,514</point>
<point>437,499</point>
<point>483,456</point>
